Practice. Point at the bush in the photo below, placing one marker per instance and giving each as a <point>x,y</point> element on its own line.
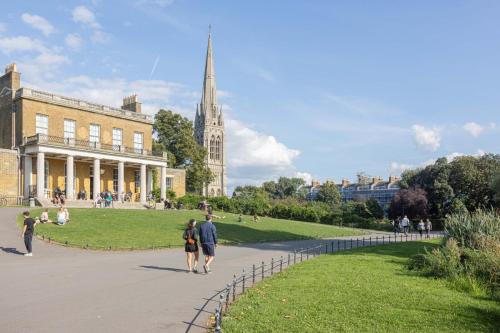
<point>472,229</point>
<point>191,201</point>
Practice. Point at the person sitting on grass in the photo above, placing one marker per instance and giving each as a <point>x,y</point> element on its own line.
<point>191,247</point>
<point>240,218</point>
<point>209,212</point>
<point>255,218</point>
<point>44,217</point>
<point>61,216</point>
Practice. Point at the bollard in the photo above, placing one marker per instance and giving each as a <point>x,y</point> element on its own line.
<point>253,274</point>
<point>281,264</point>
<point>262,267</point>
<point>272,265</point>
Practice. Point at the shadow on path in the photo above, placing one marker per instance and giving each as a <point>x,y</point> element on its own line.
<point>11,250</point>
<point>166,268</point>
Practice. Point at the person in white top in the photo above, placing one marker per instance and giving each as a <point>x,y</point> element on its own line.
<point>421,227</point>
<point>61,216</point>
<point>44,217</point>
<point>405,223</point>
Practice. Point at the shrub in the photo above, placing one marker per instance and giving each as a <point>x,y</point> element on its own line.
<point>191,201</point>
<point>472,229</point>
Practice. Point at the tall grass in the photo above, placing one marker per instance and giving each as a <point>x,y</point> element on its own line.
<point>472,230</point>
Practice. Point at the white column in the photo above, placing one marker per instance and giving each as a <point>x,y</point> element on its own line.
<point>28,169</point>
<point>40,175</point>
<point>121,172</point>
<point>143,183</point>
<point>163,183</point>
<point>149,180</point>
<point>97,177</point>
<point>70,178</point>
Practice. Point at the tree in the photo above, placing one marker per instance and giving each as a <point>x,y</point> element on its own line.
<point>329,194</point>
<point>374,208</point>
<point>411,202</point>
<point>495,188</point>
<point>284,188</point>
<point>175,136</point>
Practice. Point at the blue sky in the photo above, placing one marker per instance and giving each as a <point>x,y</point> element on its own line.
<point>320,89</point>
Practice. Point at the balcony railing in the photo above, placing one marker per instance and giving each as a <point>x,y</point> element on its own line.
<point>83,144</point>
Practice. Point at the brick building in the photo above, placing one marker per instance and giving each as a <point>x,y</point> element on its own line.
<point>77,146</point>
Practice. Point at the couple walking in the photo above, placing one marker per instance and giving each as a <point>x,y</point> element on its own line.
<point>208,240</point>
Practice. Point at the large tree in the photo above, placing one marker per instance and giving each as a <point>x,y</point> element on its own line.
<point>174,135</point>
<point>411,202</point>
<point>284,188</point>
<point>329,194</point>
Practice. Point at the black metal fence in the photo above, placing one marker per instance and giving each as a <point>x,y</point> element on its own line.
<point>259,272</point>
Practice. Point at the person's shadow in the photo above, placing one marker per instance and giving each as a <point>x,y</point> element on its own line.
<point>165,268</point>
<point>10,250</point>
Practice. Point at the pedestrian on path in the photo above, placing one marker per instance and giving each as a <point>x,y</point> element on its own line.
<point>428,227</point>
<point>405,223</point>
<point>27,233</point>
<point>208,240</point>
<point>421,227</point>
<point>395,226</point>
<point>191,247</point>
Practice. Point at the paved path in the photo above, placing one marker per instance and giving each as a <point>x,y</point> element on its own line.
<point>70,290</point>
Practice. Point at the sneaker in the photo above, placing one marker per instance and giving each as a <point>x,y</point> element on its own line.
<point>28,254</point>
<point>195,271</point>
<point>205,268</point>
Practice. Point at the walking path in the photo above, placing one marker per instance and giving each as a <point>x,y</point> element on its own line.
<point>71,290</point>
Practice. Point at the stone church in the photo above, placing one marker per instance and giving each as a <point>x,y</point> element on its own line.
<point>209,129</point>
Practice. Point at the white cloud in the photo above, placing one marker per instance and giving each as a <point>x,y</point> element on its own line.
<point>101,37</point>
<point>21,44</point>
<point>473,128</point>
<point>85,16</point>
<point>304,175</point>
<point>427,138</point>
<point>398,168</point>
<point>73,41</point>
<point>39,23</point>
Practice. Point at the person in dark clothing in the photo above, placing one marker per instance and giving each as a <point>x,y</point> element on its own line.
<point>208,240</point>
<point>191,247</point>
<point>27,233</point>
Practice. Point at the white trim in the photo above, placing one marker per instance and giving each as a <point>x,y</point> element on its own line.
<point>43,149</point>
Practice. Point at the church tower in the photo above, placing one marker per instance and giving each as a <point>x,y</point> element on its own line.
<point>209,128</point>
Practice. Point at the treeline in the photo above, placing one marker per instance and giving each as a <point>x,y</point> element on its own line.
<point>286,199</point>
<point>465,184</point>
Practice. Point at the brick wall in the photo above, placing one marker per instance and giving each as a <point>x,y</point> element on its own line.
<point>9,171</point>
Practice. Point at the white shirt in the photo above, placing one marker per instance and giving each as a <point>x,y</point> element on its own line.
<point>405,222</point>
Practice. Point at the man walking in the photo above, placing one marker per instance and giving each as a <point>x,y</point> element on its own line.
<point>208,240</point>
<point>405,223</point>
<point>27,233</point>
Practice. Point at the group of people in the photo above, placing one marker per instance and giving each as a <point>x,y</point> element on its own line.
<point>104,199</point>
<point>59,197</point>
<point>206,237</point>
<point>62,216</point>
<point>403,225</point>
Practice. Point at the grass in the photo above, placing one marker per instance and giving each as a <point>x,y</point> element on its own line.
<point>143,229</point>
<point>362,290</point>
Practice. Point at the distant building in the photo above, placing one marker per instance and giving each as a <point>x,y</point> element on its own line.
<point>365,188</point>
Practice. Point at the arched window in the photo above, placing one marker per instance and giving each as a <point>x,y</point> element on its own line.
<point>212,193</point>
<point>214,112</point>
<point>218,147</point>
<point>212,147</point>
<point>218,192</point>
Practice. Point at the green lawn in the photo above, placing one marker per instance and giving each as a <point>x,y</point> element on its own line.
<point>141,229</point>
<point>362,290</point>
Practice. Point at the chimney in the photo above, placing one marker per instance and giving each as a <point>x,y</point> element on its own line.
<point>393,179</point>
<point>345,183</point>
<point>376,180</point>
<point>315,183</point>
<point>131,103</point>
<point>11,78</point>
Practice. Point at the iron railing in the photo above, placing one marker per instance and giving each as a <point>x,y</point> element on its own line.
<point>255,274</point>
<point>87,145</point>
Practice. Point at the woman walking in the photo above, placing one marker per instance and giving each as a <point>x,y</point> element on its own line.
<point>191,237</point>
<point>428,227</point>
<point>421,227</point>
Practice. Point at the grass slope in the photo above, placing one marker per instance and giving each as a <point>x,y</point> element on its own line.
<point>362,290</point>
<point>141,229</point>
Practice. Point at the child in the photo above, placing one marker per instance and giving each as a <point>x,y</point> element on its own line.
<point>27,233</point>
<point>44,217</point>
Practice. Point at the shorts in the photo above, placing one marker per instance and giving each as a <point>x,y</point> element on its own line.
<point>208,249</point>
<point>191,247</point>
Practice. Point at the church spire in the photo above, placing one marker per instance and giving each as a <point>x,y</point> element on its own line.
<point>209,97</point>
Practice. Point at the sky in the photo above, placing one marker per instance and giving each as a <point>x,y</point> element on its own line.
<point>313,89</point>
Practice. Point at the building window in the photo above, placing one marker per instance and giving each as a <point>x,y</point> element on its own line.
<point>69,130</point>
<point>95,133</point>
<point>117,138</point>
<point>218,148</point>
<point>212,147</point>
<point>115,180</point>
<point>138,142</point>
<point>137,181</point>
<point>42,124</point>
<point>169,181</point>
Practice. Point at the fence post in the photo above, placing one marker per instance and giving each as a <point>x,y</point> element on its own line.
<point>281,264</point>
<point>243,281</point>
<point>307,254</point>
<point>272,265</point>
<point>218,315</point>
<point>262,270</point>
<point>363,241</point>
<point>253,274</point>
<point>351,244</point>
<point>294,257</point>
<point>357,242</point>
<point>228,291</point>
<point>411,236</point>
<point>376,240</point>
<point>345,244</point>
<point>370,240</point>
<point>288,262</point>
<point>406,238</point>
<point>301,253</point>
<point>234,287</point>
<point>338,245</point>
<point>383,239</point>
<point>326,248</point>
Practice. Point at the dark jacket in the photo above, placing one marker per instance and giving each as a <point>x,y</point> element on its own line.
<point>208,233</point>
